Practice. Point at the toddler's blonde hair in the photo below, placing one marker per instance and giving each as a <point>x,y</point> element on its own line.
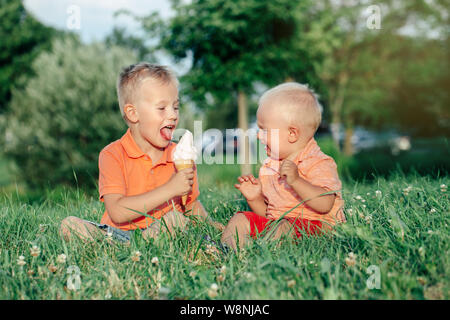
<point>301,104</point>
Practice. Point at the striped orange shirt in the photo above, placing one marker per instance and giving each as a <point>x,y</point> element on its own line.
<point>315,167</point>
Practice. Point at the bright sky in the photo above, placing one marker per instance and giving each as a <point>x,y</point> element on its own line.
<point>96,17</point>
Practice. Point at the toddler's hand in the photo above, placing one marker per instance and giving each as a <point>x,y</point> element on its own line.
<point>289,171</point>
<point>249,186</point>
<point>181,182</point>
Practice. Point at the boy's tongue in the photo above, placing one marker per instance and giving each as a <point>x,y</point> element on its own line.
<point>166,133</point>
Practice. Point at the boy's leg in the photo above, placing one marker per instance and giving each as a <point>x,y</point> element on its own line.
<point>73,226</point>
<point>237,228</point>
<point>172,220</point>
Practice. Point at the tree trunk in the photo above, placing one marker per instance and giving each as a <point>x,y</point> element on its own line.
<point>337,97</point>
<point>244,148</point>
<point>348,145</point>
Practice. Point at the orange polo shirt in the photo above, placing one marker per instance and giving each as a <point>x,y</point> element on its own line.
<point>126,169</point>
<point>315,167</point>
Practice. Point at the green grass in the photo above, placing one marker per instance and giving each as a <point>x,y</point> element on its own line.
<point>408,243</point>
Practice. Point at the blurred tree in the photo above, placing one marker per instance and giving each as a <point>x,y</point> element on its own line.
<point>22,39</point>
<point>359,64</point>
<point>120,37</point>
<point>233,44</point>
<point>66,114</point>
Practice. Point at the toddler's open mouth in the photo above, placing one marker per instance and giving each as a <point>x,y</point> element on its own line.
<point>167,131</point>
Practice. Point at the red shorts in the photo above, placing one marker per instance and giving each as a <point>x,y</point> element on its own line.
<point>258,223</point>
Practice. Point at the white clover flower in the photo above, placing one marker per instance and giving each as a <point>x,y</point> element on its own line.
<point>109,236</point>
<point>291,283</point>
<point>155,261</point>
<point>350,211</point>
<point>363,200</point>
<point>364,206</point>
<point>368,218</point>
<point>214,287</point>
<point>351,259</point>
<point>443,188</point>
<point>433,210</point>
<point>192,274</point>
<point>35,251</point>
<point>378,193</point>
<point>61,258</point>
<point>136,256</point>
<point>21,261</point>
<point>223,269</point>
<point>407,190</point>
<point>358,197</point>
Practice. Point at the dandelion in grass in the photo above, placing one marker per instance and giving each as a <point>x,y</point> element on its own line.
<point>443,188</point>
<point>155,261</point>
<point>136,256</point>
<point>351,259</point>
<point>291,283</point>
<point>35,251</point>
<point>61,259</point>
<point>212,291</point>
<point>21,261</point>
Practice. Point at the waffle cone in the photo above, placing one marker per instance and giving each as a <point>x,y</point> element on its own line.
<point>180,165</point>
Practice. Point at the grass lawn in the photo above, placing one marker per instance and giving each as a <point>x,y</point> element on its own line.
<point>395,245</point>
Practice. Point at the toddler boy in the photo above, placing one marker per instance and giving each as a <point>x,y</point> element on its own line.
<point>298,190</point>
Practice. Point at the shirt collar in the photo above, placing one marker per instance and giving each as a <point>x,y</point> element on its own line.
<point>133,150</point>
<point>310,148</point>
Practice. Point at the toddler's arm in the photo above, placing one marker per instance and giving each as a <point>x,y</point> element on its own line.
<point>120,208</point>
<point>321,204</point>
<point>250,187</point>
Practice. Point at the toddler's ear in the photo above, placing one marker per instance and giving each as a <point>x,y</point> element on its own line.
<point>294,134</point>
<point>131,113</point>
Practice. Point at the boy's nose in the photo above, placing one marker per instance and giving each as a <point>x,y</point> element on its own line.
<point>173,115</point>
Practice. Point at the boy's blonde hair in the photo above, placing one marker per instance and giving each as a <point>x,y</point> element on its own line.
<point>301,103</point>
<point>132,76</point>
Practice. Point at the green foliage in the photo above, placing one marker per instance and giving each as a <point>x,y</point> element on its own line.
<point>404,234</point>
<point>22,39</point>
<point>233,44</point>
<point>58,124</point>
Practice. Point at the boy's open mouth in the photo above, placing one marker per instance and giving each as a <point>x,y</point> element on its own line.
<point>166,132</point>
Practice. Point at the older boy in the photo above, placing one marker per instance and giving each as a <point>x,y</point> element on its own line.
<point>298,185</point>
<point>138,182</point>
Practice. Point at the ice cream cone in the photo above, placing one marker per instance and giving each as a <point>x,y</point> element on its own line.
<point>180,165</point>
